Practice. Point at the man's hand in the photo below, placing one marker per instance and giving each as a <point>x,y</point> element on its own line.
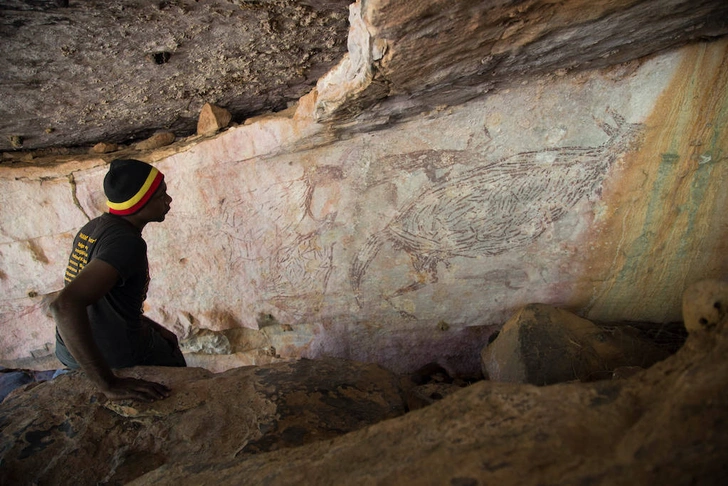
<point>69,311</point>
<point>142,390</point>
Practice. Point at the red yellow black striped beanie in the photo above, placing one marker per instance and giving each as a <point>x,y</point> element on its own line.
<point>129,184</point>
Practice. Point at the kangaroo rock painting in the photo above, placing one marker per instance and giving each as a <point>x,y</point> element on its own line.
<point>496,207</point>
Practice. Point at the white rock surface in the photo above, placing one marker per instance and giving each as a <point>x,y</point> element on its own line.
<point>270,219</point>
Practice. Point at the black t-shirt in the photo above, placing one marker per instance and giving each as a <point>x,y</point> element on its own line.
<point>122,336</point>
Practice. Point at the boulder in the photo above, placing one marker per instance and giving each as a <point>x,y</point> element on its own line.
<point>104,148</point>
<point>65,432</point>
<point>665,425</point>
<point>543,345</point>
<point>212,118</point>
<point>159,139</point>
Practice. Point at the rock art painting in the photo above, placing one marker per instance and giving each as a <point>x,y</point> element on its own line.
<point>435,164</point>
<point>496,207</point>
<point>293,263</point>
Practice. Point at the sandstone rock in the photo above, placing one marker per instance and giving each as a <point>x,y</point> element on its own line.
<point>212,118</point>
<point>104,148</point>
<point>159,139</point>
<point>280,215</point>
<point>431,372</point>
<point>429,384</point>
<point>207,342</point>
<point>667,425</point>
<point>502,41</point>
<point>542,345</point>
<point>425,395</point>
<point>625,372</point>
<point>16,141</point>
<point>705,305</point>
<point>236,59</point>
<point>64,432</point>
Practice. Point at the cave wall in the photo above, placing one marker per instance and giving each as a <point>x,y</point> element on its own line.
<point>600,191</point>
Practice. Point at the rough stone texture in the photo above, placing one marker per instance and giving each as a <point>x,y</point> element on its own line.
<point>86,73</point>
<point>431,383</point>
<point>412,57</point>
<point>705,305</point>
<point>159,139</point>
<point>91,72</point>
<point>626,372</point>
<point>424,395</point>
<point>543,345</point>
<point>104,148</point>
<point>666,425</point>
<point>63,432</point>
<point>212,118</point>
<point>601,192</point>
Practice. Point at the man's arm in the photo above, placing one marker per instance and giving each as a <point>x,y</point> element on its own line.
<point>69,311</point>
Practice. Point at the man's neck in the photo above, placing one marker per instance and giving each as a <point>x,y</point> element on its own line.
<point>135,222</point>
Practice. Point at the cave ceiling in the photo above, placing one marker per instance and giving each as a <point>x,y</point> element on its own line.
<point>74,73</point>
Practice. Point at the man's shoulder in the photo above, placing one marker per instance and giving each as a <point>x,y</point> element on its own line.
<point>111,231</point>
<point>110,225</point>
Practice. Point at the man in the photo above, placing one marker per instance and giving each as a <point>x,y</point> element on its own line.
<point>98,314</point>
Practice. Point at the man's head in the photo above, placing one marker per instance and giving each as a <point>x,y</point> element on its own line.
<point>131,186</point>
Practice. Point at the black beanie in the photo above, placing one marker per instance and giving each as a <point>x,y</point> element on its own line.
<point>129,184</point>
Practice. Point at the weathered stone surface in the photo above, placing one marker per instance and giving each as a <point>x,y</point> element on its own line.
<point>626,372</point>
<point>206,342</point>
<point>431,383</point>
<point>705,305</point>
<point>104,148</point>
<point>424,395</point>
<point>64,432</point>
<point>666,425</point>
<point>16,141</point>
<point>412,57</point>
<point>171,57</point>
<point>600,192</point>
<point>543,345</point>
<point>159,139</point>
<point>94,72</point>
<point>212,118</point>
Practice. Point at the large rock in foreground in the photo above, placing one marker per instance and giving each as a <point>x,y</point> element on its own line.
<point>64,432</point>
<point>666,425</point>
<point>544,345</point>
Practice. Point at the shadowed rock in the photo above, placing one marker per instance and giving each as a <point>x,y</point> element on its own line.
<point>64,432</point>
<point>666,425</point>
<point>543,345</point>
